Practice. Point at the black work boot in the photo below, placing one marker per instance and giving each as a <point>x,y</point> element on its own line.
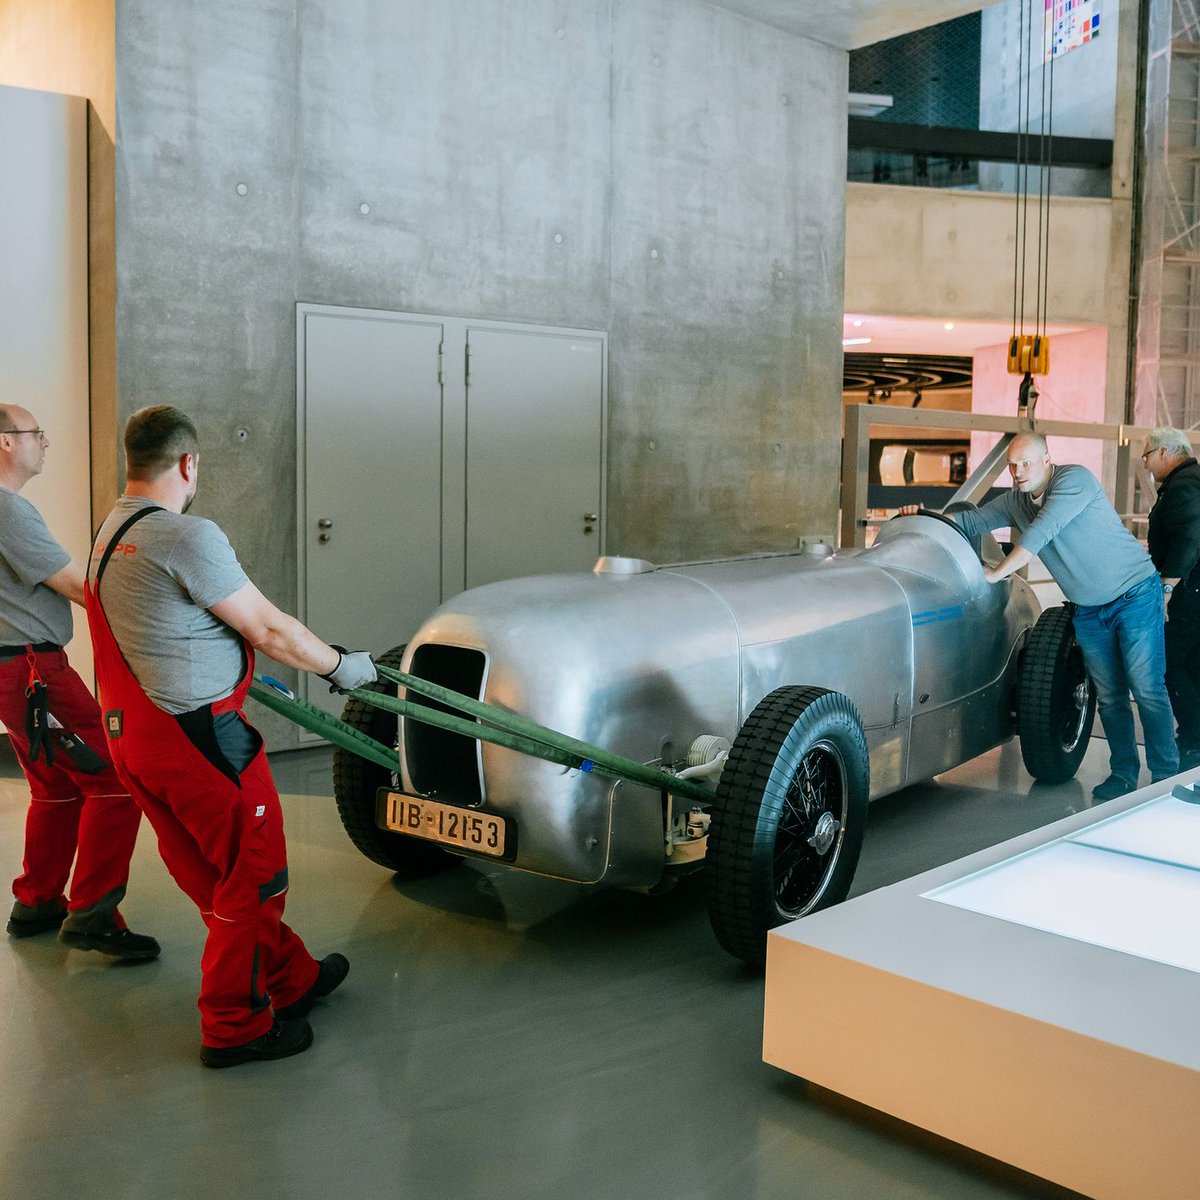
<point>27,920</point>
<point>116,943</point>
<point>331,972</point>
<point>1112,787</point>
<point>282,1040</point>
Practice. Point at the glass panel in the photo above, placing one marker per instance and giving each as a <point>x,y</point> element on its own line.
<point>1131,884</point>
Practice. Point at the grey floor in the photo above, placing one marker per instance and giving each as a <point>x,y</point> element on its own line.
<point>499,1036</point>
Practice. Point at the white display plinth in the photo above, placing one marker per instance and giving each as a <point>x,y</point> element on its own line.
<point>1038,1002</point>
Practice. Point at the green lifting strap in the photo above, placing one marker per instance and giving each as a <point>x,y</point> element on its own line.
<point>526,736</point>
<point>316,720</point>
<point>505,729</point>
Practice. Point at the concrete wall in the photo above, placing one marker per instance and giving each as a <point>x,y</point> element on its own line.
<point>691,161</point>
<point>944,254</point>
<point>68,46</point>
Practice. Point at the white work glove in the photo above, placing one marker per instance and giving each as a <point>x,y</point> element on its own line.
<point>353,670</point>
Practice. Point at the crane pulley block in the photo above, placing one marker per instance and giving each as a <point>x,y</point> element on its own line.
<point>1028,354</point>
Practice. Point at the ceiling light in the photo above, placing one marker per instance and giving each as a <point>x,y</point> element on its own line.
<point>856,324</point>
<point>861,341</point>
<point>863,104</point>
<point>948,325</point>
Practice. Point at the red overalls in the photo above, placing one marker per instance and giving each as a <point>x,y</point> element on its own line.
<point>220,836</point>
<point>73,815</point>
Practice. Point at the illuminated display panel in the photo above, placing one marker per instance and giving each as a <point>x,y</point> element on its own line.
<point>1130,883</point>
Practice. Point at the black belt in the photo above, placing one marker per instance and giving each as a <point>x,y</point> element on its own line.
<point>7,652</point>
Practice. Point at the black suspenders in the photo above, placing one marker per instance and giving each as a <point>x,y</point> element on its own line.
<point>116,538</point>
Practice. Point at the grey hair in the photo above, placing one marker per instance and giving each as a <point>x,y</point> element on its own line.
<point>1173,441</point>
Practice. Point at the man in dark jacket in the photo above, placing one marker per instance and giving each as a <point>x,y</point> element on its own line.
<point>1174,542</point>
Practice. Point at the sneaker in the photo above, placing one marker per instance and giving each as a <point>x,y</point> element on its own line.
<point>27,920</point>
<point>282,1040</point>
<point>116,943</point>
<point>1113,787</point>
<point>331,972</point>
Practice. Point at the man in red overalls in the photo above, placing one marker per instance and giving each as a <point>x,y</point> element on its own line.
<point>78,810</point>
<point>175,623</point>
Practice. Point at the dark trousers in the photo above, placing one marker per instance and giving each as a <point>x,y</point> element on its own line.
<point>1183,664</point>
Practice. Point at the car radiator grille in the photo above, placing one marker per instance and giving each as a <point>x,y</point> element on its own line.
<point>440,764</point>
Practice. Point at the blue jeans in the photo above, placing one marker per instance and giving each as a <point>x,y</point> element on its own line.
<point>1124,651</point>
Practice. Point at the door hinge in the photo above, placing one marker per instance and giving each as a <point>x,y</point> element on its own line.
<point>467,364</point>
<point>441,352</point>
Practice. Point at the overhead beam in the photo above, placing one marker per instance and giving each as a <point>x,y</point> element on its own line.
<point>986,145</point>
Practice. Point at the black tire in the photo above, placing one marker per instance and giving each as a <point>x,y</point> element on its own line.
<point>763,866</point>
<point>356,785</point>
<point>1056,701</point>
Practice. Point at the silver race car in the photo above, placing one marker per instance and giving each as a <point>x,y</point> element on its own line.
<point>799,685</point>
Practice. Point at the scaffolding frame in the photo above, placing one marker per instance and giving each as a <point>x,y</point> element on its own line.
<point>1131,475</point>
<point>1167,376</point>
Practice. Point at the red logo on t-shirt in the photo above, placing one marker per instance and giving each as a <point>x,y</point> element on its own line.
<point>125,548</point>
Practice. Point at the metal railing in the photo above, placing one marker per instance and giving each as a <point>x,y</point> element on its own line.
<point>1130,475</point>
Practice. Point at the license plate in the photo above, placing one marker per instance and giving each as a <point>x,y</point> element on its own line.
<point>464,827</point>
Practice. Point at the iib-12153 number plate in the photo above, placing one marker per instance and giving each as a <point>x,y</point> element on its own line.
<point>447,824</point>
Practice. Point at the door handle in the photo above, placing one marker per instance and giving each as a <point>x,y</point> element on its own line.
<point>589,522</point>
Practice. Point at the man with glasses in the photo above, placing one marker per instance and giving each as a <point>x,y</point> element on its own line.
<point>79,811</point>
<point>1174,539</point>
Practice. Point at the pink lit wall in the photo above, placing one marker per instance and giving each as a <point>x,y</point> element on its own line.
<point>1072,391</point>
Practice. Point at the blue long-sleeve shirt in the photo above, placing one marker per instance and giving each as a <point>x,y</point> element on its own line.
<point>1075,531</point>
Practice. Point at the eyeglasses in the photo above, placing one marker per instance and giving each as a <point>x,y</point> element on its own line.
<point>1146,453</point>
<point>40,432</point>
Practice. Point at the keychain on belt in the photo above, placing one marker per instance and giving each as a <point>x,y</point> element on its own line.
<point>45,731</point>
<point>37,715</point>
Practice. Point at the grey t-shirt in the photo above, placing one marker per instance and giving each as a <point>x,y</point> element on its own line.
<point>160,582</point>
<point>29,555</point>
<point>1074,530</point>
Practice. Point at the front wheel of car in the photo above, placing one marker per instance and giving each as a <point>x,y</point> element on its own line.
<point>788,818</point>
<point>1056,701</point>
<point>356,784</point>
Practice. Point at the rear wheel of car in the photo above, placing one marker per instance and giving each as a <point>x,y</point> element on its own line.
<point>1056,701</point>
<point>788,819</point>
<point>356,785</point>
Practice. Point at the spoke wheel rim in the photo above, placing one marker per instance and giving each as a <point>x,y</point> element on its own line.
<point>811,829</point>
<point>1078,689</point>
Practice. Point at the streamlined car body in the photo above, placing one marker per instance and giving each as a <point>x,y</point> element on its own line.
<point>802,685</point>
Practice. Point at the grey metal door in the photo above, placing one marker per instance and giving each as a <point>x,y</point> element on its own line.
<point>372,477</point>
<point>534,452</point>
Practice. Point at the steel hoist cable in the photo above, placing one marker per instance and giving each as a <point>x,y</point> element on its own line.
<point>1029,354</point>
